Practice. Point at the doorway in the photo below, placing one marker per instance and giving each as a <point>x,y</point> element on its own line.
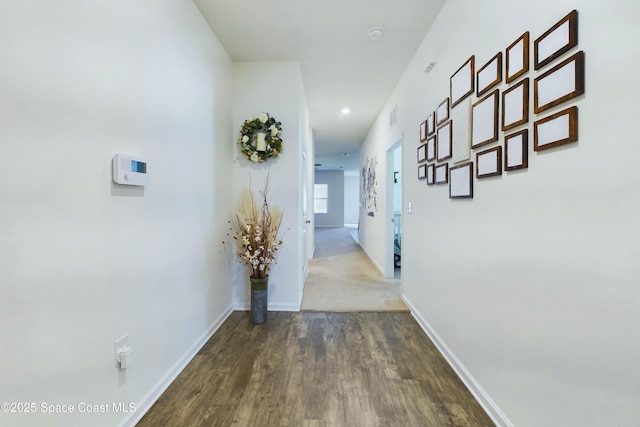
<point>393,263</point>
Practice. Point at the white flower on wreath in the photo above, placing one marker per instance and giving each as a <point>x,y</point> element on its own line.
<point>263,117</point>
<point>245,138</point>
<point>254,157</point>
<point>274,130</point>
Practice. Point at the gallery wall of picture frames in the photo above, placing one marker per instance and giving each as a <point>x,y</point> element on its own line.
<point>499,95</point>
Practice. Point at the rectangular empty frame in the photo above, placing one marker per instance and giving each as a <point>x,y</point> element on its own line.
<point>431,123</point>
<point>489,75</point>
<point>561,83</point>
<point>423,131</point>
<point>557,129</point>
<point>556,41</point>
<point>422,171</point>
<point>461,83</point>
<point>431,148</point>
<point>444,142</point>
<point>489,162</point>
<point>515,105</point>
<point>461,181</point>
<point>516,150</point>
<point>484,120</point>
<point>431,174</point>
<point>517,58</point>
<point>442,112</point>
<point>442,173</point>
<point>422,153</point>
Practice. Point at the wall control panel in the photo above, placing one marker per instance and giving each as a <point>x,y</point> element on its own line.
<point>129,170</point>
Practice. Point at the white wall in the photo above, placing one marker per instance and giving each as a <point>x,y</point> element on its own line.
<point>533,284</point>
<point>284,99</point>
<point>373,229</point>
<point>83,260</point>
<point>351,197</point>
<point>335,199</point>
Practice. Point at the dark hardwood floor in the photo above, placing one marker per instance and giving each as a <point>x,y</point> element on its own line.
<point>318,369</point>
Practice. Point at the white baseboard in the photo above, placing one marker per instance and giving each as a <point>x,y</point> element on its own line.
<point>491,408</point>
<point>154,394</point>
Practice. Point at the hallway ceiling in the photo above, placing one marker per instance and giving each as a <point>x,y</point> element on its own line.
<point>341,65</point>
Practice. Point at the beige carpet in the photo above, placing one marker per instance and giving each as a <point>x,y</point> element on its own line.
<point>342,278</point>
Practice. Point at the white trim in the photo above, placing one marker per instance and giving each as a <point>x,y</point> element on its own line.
<point>154,394</point>
<point>492,409</point>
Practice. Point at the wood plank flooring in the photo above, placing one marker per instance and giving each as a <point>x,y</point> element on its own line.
<point>318,370</point>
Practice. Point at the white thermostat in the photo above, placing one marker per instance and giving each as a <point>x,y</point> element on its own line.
<point>129,170</point>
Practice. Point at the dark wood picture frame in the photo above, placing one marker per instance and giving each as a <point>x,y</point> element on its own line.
<point>489,162</point>
<point>557,129</point>
<point>431,123</point>
<point>559,84</point>
<point>484,120</point>
<point>462,81</point>
<point>442,112</point>
<point>461,181</point>
<point>442,173</point>
<point>444,142</point>
<point>516,150</point>
<point>517,58</point>
<point>431,148</point>
<point>515,105</point>
<point>422,172</point>
<point>489,75</point>
<point>422,153</point>
<point>556,40</point>
<point>423,131</point>
<point>431,174</point>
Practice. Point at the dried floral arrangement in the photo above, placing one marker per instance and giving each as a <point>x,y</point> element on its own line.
<point>257,235</point>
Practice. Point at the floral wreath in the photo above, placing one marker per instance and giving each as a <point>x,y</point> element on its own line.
<point>261,138</point>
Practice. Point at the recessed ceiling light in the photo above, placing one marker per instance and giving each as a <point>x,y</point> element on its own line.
<point>345,154</point>
<point>345,110</point>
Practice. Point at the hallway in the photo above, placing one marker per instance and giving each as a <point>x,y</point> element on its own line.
<point>343,278</point>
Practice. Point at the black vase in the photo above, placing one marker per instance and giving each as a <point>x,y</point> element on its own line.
<point>259,299</point>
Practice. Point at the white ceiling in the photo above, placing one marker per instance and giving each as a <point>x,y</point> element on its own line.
<point>341,66</point>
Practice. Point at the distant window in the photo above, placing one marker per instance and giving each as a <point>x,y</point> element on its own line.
<point>320,196</point>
